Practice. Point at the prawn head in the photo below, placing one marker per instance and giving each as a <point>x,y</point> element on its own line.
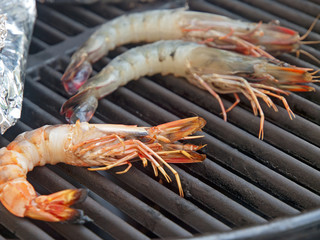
<point>255,39</point>
<point>253,77</point>
<point>156,145</point>
<point>287,40</point>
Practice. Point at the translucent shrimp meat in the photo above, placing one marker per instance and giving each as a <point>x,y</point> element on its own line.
<point>217,71</point>
<point>256,39</point>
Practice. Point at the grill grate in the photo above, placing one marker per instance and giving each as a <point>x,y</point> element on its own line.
<point>243,182</point>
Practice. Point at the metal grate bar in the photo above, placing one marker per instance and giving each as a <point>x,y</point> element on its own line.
<point>81,15</point>
<point>117,228</point>
<point>181,208</point>
<point>22,228</point>
<point>59,21</point>
<point>305,6</point>
<point>204,6</point>
<point>37,45</point>
<point>258,200</point>
<point>315,1</point>
<point>253,13</point>
<point>106,11</point>
<point>151,219</point>
<point>287,13</point>
<point>48,34</point>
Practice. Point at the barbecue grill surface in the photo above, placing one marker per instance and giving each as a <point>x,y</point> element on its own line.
<point>243,186</point>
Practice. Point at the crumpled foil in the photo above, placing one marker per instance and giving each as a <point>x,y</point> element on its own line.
<point>20,18</point>
<point>3,30</point>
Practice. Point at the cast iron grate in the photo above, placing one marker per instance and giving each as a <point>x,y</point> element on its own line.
<point>243,182</point>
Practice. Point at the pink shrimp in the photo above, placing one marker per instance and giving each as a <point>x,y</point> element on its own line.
<point>255,39</point>
<point>215,70</point>
<point>88,145</point>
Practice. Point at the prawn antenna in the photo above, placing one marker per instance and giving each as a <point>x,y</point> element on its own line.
<point>308,55</point>
<point>309,42</point>
<point>310,28</point>
<point>315,78</point>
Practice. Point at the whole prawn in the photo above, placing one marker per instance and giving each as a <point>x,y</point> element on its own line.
<point>256,39</point>
<point>215,70</point>
<point>88,145</point>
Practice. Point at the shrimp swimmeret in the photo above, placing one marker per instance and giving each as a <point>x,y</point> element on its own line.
<point>214,30</point>
<point>88,145</point>
<point>215,70</point>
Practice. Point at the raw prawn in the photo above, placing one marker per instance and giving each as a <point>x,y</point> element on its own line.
<point>215,70</point>
<point>88,145</point>
<point>214,30</point>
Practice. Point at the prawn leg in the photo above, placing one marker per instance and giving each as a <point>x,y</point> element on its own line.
<point>237,101</point>
<point>284,101</point>
<point>214,81</point>
<point>213,93</point>
<point>166,133</point>
<point>126,170</point>
<point>156,160</point>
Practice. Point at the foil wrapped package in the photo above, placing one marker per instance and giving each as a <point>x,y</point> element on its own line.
<point>17,19</point>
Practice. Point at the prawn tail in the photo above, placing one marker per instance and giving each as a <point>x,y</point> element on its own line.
<point>292,78</point>
<point>56,207</point>
<point>76,74</point>
<point>81,107</point>
<point>20,198</point>
<point>176,130</point>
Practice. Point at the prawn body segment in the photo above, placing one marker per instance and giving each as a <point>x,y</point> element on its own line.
<point>17,194</point>
<point>217,71</point>
<point>162,57</point>
<point>254,39</point>
<point>89,145</point>
<point>138,27</point>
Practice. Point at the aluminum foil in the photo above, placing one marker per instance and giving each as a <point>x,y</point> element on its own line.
<point>90,1</point>
<point>20,18</point>
<point>3,30</point>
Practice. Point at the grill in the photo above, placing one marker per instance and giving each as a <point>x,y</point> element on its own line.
<point>246,188</point>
